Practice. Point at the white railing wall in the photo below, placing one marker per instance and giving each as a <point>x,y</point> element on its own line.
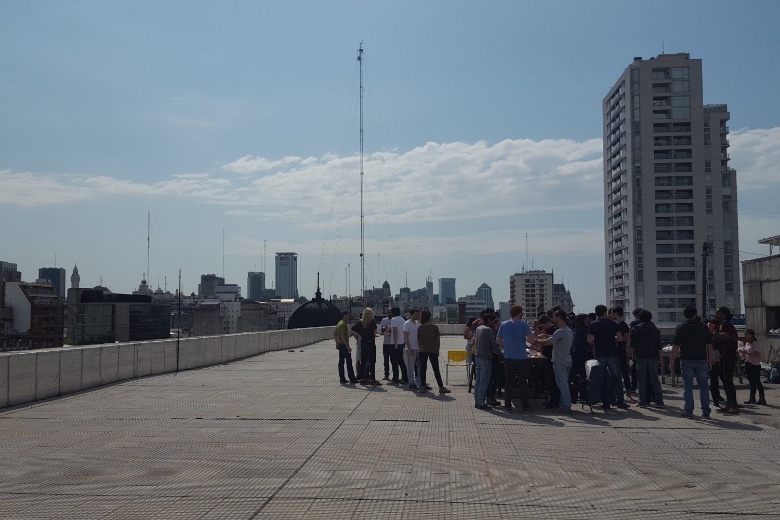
<point>32,375</point>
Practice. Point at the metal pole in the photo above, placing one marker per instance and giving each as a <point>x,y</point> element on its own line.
<point>704,281</point>
<point>362,217</point>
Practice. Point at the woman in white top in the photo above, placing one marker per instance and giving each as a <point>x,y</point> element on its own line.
<point>753,368</point>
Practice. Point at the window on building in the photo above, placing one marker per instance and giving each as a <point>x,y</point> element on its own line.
<point>686,261</point>
<point>664,235</point>
<point>685,276</point>
<point>683,208</point>
<point>664,208</point>
<point>685,249</point>
<point>683,234</point>
<point>664,249</point>
<point>665,276</point>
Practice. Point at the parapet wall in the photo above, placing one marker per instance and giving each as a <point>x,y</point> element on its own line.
<point>32,375</point>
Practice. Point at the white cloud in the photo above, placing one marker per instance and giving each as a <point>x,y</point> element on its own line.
<point>755,154</point>
<point>529,181</point>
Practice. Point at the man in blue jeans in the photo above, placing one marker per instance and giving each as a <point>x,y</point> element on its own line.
<point>486,346</point>
<point>601,336</point>
<point>693,344</point>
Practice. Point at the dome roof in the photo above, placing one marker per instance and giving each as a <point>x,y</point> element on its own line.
<point>315,313</point>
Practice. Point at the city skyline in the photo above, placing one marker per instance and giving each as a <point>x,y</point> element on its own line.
<point>485,125</point>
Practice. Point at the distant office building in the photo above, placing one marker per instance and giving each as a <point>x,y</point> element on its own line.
<point>474,305</point>
<point>255,282</point>
<point>669,192</point>
<point>8,267</point>
<point>100,316</point>
<point>56,277</point>
<point>429,290</point>
<point>228,292</point>
<point>75,278</point>
<point>32,315</point>
<point>484,292</point>
<point>287,275</point>
<point>208,285</point>
<point>533,290</point>
<point>447,291</point>
<point>562,298</point>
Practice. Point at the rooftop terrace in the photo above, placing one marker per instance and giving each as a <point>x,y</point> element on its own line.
<point>276,436</point>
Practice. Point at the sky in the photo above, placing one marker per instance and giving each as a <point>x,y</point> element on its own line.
<point>233,129</point>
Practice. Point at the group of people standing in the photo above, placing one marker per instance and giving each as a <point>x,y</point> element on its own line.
<point>499,351</point>
<point>408,346</point>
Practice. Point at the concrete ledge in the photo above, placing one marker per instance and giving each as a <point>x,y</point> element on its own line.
<point>90,367</point>
<point>47,374</point>
<point>21,378</point>
<point>109,364</point>
<point>3,381</point>
<point>169,354</point>
<point>70,370</point>
<point>28,376</point>
<point>157,356</point>
<point>125,361</point>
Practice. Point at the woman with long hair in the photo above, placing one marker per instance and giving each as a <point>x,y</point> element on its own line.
<point>753,368</point>
<point>366,329</point>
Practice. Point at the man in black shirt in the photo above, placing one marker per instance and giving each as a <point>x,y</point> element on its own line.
<point>602,336</point>
<point>693,344</point>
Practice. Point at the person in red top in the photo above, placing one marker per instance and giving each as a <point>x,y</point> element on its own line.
<point>727,339</point>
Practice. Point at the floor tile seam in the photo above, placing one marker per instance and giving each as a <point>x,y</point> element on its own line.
<point>259,510</point>
<point>587,507</point>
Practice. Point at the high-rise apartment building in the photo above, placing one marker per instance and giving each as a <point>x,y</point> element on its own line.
<point>447,291</point>
<point>670,197</point>
<point>533,290</point>
<point>56,277</point>
<point>255,282</point>
<point>287,275</point>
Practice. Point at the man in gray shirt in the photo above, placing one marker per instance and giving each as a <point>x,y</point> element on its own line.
<point>485,341</point>
<point>561,341</point>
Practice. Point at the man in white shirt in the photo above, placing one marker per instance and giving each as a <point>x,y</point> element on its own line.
<point>397,352</point>
<point>412,350</point>
<point>387,343</point>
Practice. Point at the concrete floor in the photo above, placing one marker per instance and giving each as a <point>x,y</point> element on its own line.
<point>276,436</point>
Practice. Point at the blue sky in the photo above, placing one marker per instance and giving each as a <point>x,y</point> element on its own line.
<point>482,124</point>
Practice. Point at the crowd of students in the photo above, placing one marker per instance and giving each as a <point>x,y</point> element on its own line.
<point>503,355</point>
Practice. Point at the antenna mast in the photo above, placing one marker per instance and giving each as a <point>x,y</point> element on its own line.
<point>362,217</point>
<point>148,242</point>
